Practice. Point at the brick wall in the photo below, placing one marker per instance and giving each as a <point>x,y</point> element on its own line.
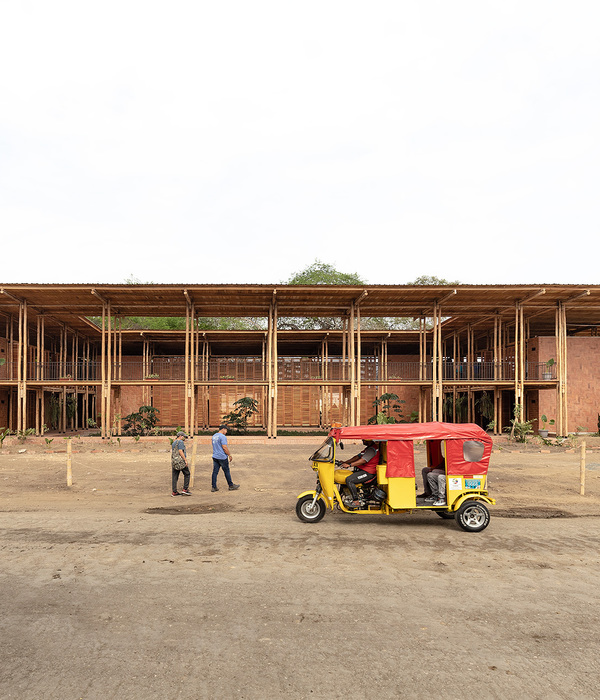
<point>583,382</point>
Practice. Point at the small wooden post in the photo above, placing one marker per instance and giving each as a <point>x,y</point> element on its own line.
<point>582,470</point>
<point>69,470</point>
<point>193,464</point>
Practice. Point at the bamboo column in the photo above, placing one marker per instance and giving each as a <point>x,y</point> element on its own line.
<point>109,371</point>
<point>327,404</point>
<point>206,375</point>
<point>422,353</point>
<point>352,361</point>
<point>518,412</point>
<point>270,373</point>
<point>120,349</point>
<point>558,348</point>
<point>564,373</point>
<point>275,370</point>
<point>440,388</point>
<point>434,366</point>
<point>20,371</point>
<point>103,373</point>
<point>358,367</point>
<point>37,348</point>
<point>263,374</point>
<point>344,345</point>
<point>11,349</point>
<point>186,370</point>
<point>193,371</point>
<point>322,387</point>
<point>522,362</point>
<point>25,364</point>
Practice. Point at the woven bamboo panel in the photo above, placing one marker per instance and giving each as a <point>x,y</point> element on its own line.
<point>3,408</point>
<point>170,402</point>
<point>298,406</point>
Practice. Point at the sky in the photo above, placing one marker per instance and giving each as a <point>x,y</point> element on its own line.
<point>238,141</point>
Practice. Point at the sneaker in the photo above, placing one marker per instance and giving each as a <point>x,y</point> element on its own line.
<point>175,493</point>
<point>430,499</point>
<point>214,488</point>
<point>185,492</point>
<point>233,487</point>
<point>440,502</point>
<point>423,495</point>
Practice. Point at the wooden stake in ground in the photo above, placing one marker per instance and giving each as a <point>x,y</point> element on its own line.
<point>193,465</point>
<point>582,470</point>
<point>69,470</point>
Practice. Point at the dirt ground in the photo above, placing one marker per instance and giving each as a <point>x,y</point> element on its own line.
<point>114,589</point>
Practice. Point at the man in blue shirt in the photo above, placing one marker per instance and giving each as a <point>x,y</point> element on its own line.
<point>221,458</point>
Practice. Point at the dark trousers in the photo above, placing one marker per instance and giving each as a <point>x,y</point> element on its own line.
<point>220,464</point>
<point>359,477</point>
<point>175,477</point>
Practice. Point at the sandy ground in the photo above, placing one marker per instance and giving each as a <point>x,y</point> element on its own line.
<point>113,589</point>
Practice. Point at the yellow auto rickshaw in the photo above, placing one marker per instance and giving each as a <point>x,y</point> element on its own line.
<point>460,451</point>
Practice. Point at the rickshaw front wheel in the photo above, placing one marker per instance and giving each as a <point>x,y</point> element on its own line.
<point>309,513</point>
<point>473,516</point>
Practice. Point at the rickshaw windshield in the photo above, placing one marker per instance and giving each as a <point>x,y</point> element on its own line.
<point>324,453</point>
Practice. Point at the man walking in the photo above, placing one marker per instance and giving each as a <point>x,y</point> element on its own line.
<point>179,464</point>
<point>221,458</point>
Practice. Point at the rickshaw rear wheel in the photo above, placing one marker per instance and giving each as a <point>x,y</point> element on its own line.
<point>309,513</point>
<point>445,514</point>
<point>473,516</point>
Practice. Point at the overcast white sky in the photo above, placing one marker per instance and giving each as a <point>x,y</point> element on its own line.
<point>237,141</point>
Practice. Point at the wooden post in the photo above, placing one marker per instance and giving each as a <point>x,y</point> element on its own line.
<point>582,470</point>
<point>69,469</point>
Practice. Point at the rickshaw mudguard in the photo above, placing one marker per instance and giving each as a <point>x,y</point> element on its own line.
<point>313,494</point>
<point>472,496</point>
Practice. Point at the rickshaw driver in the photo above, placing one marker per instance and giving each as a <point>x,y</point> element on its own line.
<point>365,466</point>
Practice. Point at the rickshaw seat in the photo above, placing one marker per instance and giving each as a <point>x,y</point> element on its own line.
<point>340,475</point>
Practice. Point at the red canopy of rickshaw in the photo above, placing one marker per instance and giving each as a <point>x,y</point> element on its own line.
<point>412,431</point>
<point>400,437</point>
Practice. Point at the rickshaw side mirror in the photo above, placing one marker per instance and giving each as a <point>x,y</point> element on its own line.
<point>341,445</point>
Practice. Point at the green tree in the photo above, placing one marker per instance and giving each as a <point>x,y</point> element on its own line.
<point>431,280</point>
<point>238,418</point>
<point>323,273</point>
<point>318,273</point>
<point>141,422</point>
<point>384,408</point>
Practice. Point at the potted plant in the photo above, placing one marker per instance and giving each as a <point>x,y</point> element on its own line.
<point>543,432</point>
<point>547,373</point>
